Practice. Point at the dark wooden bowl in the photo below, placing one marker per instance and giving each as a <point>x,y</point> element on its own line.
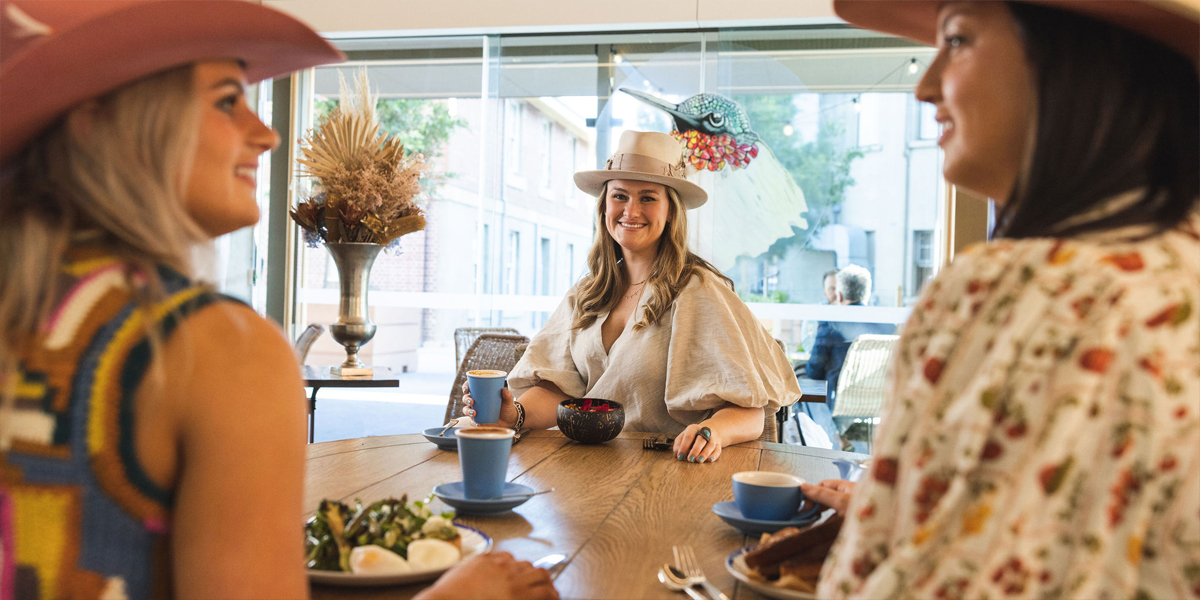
<point>591,427</point>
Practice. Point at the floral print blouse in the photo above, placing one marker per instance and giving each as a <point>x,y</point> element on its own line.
<point>1041,437</point>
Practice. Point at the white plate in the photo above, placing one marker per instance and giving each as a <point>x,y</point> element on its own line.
<point>735,563</point>
<point>474,542</point>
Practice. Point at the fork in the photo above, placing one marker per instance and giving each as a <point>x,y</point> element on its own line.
<point>685,561</point>
<point>657,443</point>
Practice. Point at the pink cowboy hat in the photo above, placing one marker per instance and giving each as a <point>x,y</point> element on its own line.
<point>55,54</point>
<point>1175,23</point>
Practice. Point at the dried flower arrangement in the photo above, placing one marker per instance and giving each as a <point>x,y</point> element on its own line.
<point>366,188</point>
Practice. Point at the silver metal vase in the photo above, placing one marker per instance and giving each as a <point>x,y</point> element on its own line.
<point>354,327</point>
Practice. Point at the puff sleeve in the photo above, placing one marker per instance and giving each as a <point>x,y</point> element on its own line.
<point>719,353</point>
<point>548,357</point>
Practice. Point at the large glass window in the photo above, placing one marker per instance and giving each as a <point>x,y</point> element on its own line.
<point>824,159</point>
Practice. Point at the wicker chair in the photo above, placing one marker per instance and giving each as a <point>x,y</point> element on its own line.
<point>465,336</point>
<point>770,428</point>
<point>488,351</point>
<point>305,341</point>
<point>860,388</point>
<point>773,423</point>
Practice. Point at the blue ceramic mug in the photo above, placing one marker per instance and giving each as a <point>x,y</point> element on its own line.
<point>768,496</point>
<point>485,386</point>
<point>483,456</point>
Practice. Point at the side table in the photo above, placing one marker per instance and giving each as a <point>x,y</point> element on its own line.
<point>317,377</point>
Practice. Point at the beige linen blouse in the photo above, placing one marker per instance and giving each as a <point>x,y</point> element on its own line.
<point>707,350</point>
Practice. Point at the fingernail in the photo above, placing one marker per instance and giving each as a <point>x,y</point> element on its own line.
<point>680,456</point>
<point>691,459</point>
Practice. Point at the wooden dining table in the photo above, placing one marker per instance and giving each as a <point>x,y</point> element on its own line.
<point>615,512</point>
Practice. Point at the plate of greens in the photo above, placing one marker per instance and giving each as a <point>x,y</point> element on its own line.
<point>389,542</point>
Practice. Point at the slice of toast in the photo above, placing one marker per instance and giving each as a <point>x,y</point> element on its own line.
<point>797,546</point>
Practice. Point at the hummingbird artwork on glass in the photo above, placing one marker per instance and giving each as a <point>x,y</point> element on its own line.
<point>753,192</point>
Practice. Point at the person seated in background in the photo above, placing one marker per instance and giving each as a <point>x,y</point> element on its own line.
<point>829,286</point>
<point>809,327</point>
<point>151,429</point>
<point>653,325</point>
<point>853,287</point>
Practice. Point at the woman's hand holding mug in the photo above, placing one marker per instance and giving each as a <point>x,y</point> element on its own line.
<point>834,493</point>
<point>508,410</point>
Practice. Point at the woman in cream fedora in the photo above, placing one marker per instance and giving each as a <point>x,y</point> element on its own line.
<point>1041,435</point>
<point>151,430</point>
<point>652,326</point>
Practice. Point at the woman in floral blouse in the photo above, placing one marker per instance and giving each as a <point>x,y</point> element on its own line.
<point>1042,432</point>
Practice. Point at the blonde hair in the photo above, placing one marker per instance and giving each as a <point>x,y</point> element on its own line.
<point>674,266</point>
<point>118,181</point>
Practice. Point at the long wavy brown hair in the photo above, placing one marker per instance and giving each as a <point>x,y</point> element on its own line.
<point>600,291</point>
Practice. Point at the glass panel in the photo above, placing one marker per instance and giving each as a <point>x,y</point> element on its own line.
<point>832,114</point>
<point>433,93</point>
<point>835,165</point>
<point>842,177</point>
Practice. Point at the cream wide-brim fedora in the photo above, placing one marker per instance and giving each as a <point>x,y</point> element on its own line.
<point>645,156</point>
<point>55,54</point>
<point>1174,23</point>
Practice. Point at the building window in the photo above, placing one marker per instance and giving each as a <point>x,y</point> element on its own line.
<point>513,122</point>
<point>928,129</point>
<point>570,265</point>
<point>545,258</point>
<point>547,154</point>
<point>922,258</point>
<point>511,262</point>
<point>331,272</point>
<point>869,126</point>
<point>486,267</point>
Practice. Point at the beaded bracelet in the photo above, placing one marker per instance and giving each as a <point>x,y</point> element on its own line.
<point>520,417</point>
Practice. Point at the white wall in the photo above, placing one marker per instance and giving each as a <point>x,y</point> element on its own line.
<point>377,18</point>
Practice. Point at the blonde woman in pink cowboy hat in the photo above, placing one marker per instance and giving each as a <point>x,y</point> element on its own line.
<point>1041,435</point>
<point>151,430</point>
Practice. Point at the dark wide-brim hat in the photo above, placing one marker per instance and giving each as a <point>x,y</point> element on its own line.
<point>1174,23</point>
<point>55,54</point>
<point>645,156</point>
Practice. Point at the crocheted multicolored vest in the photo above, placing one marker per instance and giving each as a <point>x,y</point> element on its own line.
<point>79,517</point>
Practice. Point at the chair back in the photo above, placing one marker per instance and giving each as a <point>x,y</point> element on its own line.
<point>465,336</point>
<point>860,388</point>
<point>770,428</point>
<point>489,351</point>
<point>305,341</point>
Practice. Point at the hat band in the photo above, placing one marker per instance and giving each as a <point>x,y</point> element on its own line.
<point>640,163</point>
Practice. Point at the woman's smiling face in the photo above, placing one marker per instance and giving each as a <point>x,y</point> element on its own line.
<point>636,213</point>
<point>983,87</point>
<point>220,190</point>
